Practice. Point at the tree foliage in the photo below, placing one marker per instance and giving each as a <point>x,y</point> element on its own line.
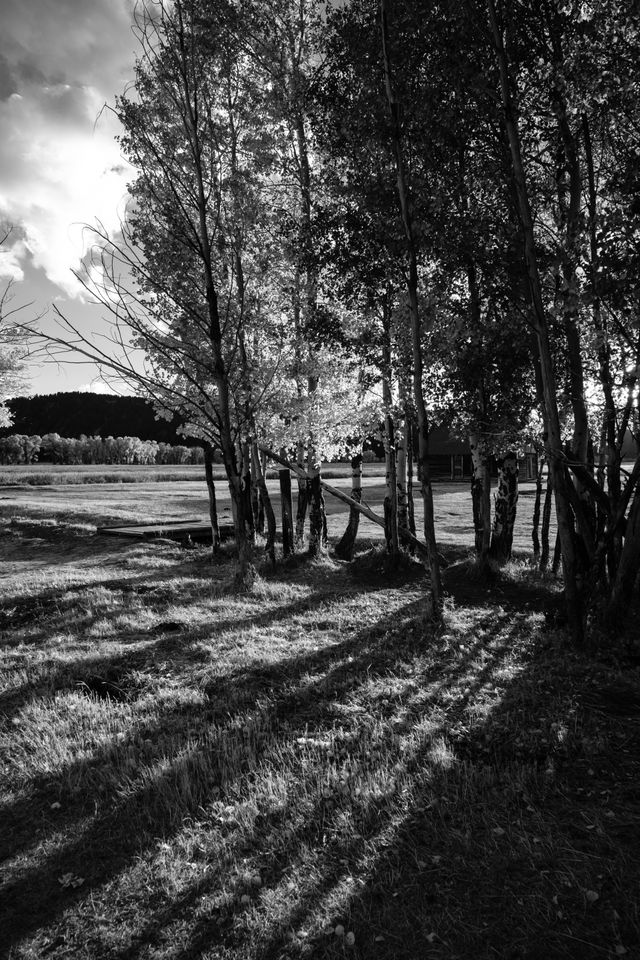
<point>355,213</point>
<point>12,345</point>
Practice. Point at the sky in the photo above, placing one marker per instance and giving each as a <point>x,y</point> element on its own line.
<point>61,62</point>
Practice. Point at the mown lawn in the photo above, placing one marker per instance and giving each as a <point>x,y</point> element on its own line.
<point>309,770</point>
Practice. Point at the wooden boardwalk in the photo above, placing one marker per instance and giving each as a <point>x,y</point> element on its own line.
<point>198,531</point>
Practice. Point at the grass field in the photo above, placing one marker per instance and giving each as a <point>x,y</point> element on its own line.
<point>151,501</point>
<point>309,770</point>
<point>47,474</point>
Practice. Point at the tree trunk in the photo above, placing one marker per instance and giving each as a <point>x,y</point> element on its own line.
<point>303,497</point>
<point>629,565</point>
<point>213,506</point>
<point>317,517</point>
<point>569,204</point>
<point>391,488</point>
<point>265,500</point>
<point>546,522</point>
<point>553,441</point>
<point>557,555</point>
<point>481,495</point>
<point>505,508</point>
<point>536,512</point>
<point>610,439</point>
<point>434,607</point>
<point>411,513</point>
<point>315,499</point>
<point>401,477</point>
<point>190,102</point>
<point>345,548</point>
<point>391,491</point>
<point>257,506</point>
<point>241,509</point>
<point>391,473</point>
<point>284,478</point>
<point>247,491</point>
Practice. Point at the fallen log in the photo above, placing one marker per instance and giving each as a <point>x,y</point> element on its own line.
<point>404,534</point>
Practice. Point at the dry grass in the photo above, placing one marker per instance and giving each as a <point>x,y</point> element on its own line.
<point>307,770</point>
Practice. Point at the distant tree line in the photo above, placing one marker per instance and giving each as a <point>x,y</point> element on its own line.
<point>20,448</point>
<point>78,414</point>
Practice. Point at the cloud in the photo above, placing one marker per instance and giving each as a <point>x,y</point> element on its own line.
<point>8,84</point>
<point>63,41</point>
<point>60,167</point>
<point>10,267</point>
<point>102,386</point>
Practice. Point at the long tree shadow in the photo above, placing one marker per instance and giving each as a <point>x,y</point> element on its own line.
<point>510,849</point>
<point>491,833</point>
<point>18,611</point>
<point>340,680</point>
<point>38,885</point>
<point>335,859</point>
<point>65,675</point>
<point>481,735</point>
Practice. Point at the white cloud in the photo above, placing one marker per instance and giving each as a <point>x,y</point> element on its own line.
<point>10,268</point>
<point>101,386</point>
<point>60,167</point>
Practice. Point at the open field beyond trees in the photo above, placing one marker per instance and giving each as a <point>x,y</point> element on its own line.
<point>153,495</point>
<point>307,769</point>
<point>50,474</point>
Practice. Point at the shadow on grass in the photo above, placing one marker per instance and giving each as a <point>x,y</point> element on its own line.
<point>480,836</point>
<point>66,674</point>
<point>290,695</point>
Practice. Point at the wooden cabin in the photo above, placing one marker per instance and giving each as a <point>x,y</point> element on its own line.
<point>450,458</point>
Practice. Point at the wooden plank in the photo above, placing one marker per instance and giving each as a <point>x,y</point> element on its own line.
<point>145,523</point>
<point>173,531</point>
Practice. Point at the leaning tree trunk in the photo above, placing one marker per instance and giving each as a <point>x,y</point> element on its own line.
<point>505,508</point>
<point>345,548</point>
<point>213,505</point>
<point>435,594</point>
<point>481,495</point>
<point>284,478</point>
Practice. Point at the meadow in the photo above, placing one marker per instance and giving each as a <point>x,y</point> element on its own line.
<point>310,769</point>
<point>50,474</point>
<point>84,493</point>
